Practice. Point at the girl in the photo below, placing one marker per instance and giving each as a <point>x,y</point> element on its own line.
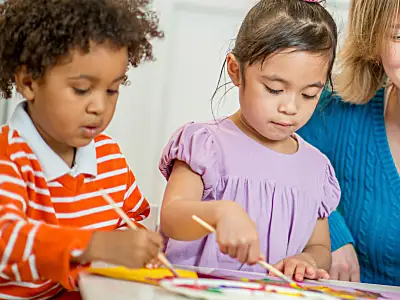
<point>363,143</point>
<point>274,191</point>
<point>67,59</point>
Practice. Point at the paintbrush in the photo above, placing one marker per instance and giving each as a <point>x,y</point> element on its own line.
<point>262,263</point>
<point>161,257</point>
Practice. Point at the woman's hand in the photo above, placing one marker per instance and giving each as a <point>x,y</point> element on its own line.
<point>345,266</point>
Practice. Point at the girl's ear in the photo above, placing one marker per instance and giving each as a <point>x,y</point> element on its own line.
<point>233,68</point>
<point>25,83</point>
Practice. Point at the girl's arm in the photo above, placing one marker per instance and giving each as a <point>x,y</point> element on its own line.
<point>190,163</point>
<point>319,245</point>
<point>182,200</point>
<point>315,260</point>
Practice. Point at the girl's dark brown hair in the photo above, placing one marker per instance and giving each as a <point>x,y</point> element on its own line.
<point>274,25</point>
<point>36,33</point>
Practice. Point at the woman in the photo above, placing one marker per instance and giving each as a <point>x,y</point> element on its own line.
<point>359,131</point>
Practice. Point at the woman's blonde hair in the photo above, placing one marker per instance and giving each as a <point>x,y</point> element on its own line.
<point>361,73</point>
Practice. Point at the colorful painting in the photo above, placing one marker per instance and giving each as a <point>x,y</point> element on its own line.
<point>331,290</point>
<point>229,289</point>
<point>236,283</point>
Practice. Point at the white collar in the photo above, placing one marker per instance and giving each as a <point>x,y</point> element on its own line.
<point>52,165</point>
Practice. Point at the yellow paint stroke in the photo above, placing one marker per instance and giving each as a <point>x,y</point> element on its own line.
<point>151,276</point>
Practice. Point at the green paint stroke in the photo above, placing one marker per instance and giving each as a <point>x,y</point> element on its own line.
<point>214,290</point>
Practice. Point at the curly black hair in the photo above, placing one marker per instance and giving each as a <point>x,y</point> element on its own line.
<point>35,33</point>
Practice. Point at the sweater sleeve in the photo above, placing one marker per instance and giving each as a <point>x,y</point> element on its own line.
<point>319,132</point>
<point>340,233</point>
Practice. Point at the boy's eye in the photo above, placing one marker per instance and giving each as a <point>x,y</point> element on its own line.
<point>81,92</point>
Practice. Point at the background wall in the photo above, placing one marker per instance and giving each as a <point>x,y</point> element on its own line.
<point>176,88</point>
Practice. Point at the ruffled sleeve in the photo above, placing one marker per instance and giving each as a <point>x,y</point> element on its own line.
<point>331,193</point>
<point>193,144</point>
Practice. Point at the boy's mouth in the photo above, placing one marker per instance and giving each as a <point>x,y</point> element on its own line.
<point>91,131</point>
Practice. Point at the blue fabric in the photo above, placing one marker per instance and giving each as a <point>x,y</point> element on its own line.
<point>368,216</point>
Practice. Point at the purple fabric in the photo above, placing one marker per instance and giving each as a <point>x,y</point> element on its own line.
<point>284,194</point>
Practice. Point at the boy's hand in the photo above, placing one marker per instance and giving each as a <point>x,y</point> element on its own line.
<point>237,235</point>
<point>129,248</point>
<point>300,267</point>
<point>154,264</point>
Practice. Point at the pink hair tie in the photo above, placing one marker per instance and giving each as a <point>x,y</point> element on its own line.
<point>312,1</point>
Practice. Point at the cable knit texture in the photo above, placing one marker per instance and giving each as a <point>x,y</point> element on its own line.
<point>354,139</point>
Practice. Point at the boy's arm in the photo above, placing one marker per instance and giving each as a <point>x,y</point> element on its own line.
<point>31,251</point>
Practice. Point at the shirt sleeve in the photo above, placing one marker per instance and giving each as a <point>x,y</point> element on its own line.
<point>195,145</point>
<point>32,251</point>
<point>331,193</point>
<point>135,204</point>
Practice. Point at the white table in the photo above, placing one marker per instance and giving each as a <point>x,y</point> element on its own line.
<point>100,288</point>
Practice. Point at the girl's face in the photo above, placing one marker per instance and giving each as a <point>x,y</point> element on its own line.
<point>391,58</point>
<point>280,96</point>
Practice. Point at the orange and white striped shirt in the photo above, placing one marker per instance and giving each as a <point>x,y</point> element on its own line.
<point>49,211</point>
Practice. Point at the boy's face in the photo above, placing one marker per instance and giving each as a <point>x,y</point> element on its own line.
<point>75,100</point>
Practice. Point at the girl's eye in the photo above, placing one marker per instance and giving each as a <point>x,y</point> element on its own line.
<point>81,92</point>
<point>308,97</point>
<point>272,91</point>
<point>112,92</point>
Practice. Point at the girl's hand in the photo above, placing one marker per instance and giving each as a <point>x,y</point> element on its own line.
<point>237,235</point>
<point>300,267</point>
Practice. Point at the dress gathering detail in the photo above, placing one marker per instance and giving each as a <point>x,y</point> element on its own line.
<point>284,194</point>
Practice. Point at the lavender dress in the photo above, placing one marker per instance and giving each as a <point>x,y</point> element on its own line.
<point>283,194</point>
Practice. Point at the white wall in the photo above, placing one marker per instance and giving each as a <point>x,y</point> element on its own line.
<point>177,87</point>
<point>198,36</point>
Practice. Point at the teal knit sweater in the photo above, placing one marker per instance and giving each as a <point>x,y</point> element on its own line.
<point>354,139</point>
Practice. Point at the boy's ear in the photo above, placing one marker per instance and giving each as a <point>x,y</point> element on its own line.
<point>25,83</point>
<point>233,67</point>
